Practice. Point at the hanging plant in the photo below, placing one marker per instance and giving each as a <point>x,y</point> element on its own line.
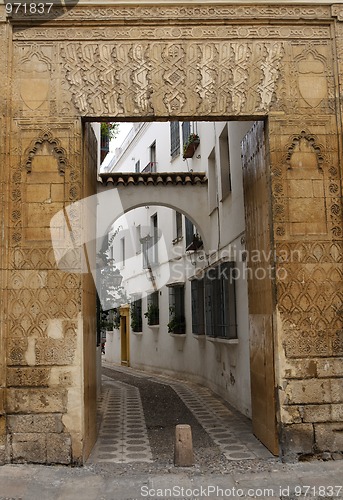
<point>109,130</point>
<point>191,145</point>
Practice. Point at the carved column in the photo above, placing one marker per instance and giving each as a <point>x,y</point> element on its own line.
<point>50,400</point>
<point>307,213</point>
<point>4,43</point>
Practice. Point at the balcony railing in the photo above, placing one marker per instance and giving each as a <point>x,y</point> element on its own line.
<point>151,167</point>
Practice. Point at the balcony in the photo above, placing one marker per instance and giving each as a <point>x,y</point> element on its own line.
<point>151,167</point>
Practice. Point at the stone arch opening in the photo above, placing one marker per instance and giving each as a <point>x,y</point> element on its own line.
<point>214,62</point>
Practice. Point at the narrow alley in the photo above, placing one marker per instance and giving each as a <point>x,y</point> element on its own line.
<point>138,413</point>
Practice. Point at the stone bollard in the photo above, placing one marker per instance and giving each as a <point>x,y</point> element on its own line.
<point>183,451</point>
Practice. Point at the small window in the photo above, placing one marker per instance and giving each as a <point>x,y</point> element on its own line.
<point>198,306</point>
<point>153,157</point>
<point>224,162</point>
<point>177,320</point>
<point>189,232</point>
<point>138,166</point>
<point>153,313</point>
<point>212,182</point>
<point>154,240</point>
<point>174,139</point>
<point>136,314</point>
<point>178,225</point>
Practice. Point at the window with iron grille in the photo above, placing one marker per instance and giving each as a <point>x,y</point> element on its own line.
<point>220,302</point>
<point>198,306</point>
<point>136,314</point>
<point>153,312</point>
<point>174,139</point>
<point>177,320</point>
<point>189,226</point>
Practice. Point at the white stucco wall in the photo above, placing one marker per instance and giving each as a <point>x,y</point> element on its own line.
<point>220,364</point>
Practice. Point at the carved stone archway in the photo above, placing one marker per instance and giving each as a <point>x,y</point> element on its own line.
<point>145,62</point>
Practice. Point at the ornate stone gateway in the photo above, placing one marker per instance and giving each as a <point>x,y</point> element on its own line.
<point>283,63</point>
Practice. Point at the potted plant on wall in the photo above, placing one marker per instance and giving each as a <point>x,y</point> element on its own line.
<point>152,314</point>
<point>176,323</point>
<point>191,145</point>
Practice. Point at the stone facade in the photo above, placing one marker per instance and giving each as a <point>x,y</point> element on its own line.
<point>131,61</point>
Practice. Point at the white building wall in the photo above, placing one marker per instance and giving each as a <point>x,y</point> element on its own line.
<point>220,364</point>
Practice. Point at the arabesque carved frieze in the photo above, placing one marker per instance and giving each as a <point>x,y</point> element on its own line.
<point>171,78</point>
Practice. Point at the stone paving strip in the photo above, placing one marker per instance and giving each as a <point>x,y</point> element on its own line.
<point>230,430</point>
<point>123,436</point>
<point>227,428</point>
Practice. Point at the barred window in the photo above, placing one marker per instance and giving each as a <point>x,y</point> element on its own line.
<point>174,139</point>
<point>220,302</point>
<point>136,315</point>
<point>189,231</point>
<point>153,312</point>
<point>198,306</point>
<point>177,320</point>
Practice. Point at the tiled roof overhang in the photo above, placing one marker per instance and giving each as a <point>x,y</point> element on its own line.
<point>117,179</point>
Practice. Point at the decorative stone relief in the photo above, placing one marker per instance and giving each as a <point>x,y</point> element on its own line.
<point>34,77</point>
<point>110,78</point>
<point>312,79</point>
<point>233,32</point>
<point>200,12</point>
<point>310,298</point>
<point>56,150</point>
<point>306,189</point>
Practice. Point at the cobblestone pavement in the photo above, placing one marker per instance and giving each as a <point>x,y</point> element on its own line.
<point>127,465</point>
<point>123,435</point>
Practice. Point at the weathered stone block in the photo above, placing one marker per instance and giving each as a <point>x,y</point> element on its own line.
<point>2,426</point>
<point>308,391</point>
<point>57,192</point>
<point>290,414</point>
<point>59,449</point>
<point>36,400</point>
<point>27,377</point>
<point>331,367</point>
<point>297,439</point>
<point>337,390</point>
<point>337,413</point>
<point>37,192</point>
<point>301,368</point>
<point>2,400</point>
<point>28,447</point>
<point>317,413</point>
<point>329,437</point>
<point>35,423</point>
